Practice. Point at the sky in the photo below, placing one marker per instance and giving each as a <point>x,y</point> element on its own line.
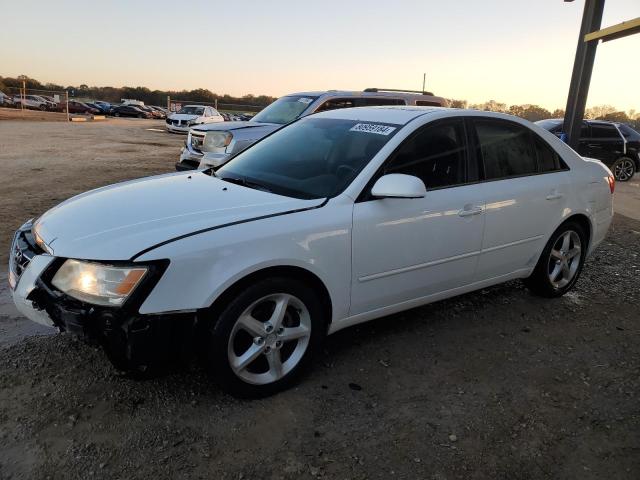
<point>512,51</point>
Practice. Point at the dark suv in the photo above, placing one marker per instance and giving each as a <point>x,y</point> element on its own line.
<point>617,145</point>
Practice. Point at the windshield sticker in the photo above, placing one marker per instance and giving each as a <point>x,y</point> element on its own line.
<point>372,128</point>
<point>305,100</point>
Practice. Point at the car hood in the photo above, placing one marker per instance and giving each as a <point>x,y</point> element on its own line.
<point>182,116</point>
<point>118,221</point>
<point>230,126</point>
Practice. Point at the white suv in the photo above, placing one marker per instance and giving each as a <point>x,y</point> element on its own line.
<point>191,115</point>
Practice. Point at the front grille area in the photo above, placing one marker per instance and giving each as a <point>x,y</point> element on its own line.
<point>23,249</point>
<point>197,141</point>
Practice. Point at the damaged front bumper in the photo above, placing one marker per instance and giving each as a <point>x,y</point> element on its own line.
<point>132,341</point>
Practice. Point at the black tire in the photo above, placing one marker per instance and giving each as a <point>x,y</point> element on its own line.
<point>43,107</point>
<point>116,114</point>
<point>539,282</point>
<point>624,169</point>
<point>220,329</point>
<point>140,116</point>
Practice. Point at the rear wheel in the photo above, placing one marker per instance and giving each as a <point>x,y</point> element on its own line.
<point>264,339</point>
<point>116,114</point>
<point>42,107</point>
<point>561,261</point>
<point>623,169</point>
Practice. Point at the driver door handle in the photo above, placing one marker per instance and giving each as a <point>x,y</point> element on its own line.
<point>470,210</point>
<point>554,196</point>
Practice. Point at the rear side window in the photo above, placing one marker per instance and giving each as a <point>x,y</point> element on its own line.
<point>437,155</point>
<point>548,158</point>
<point>599,130</point>
<point>427,103</point>
<point>506,148</point>
<point>373,101</point>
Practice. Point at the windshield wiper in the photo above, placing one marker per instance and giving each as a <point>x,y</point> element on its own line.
<point>246,183</point>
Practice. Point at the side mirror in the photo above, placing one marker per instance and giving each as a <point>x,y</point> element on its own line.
<point>398,185</point>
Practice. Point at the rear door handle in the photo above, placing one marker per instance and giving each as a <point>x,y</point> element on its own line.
<point>554,196</point>
<point>469,211</point>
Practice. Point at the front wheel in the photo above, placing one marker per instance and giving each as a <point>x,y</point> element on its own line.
<point>264,339</point>
<point>623,169</point>
<point>561,261</point>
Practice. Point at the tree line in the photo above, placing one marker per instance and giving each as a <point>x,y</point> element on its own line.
<point>536,112</point>
<point>159,97</point>
<point>148,96</point>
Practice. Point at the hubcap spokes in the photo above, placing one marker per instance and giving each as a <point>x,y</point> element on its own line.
<point>269,338</point>
<point>624,170</point>
<point>564,259</point>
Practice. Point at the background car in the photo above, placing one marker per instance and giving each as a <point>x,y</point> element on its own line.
<point>154,113</point>
<point>213,145</point>
<point>76,106</point>
<point>162,111</point>
<point>615,144</point>
<point>33,102</point>
<point>191,115</point>
<point>130,111</point>
<point>6,100</point>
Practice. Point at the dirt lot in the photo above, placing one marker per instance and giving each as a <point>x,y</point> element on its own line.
<point>494,384</point>
<point>44,163</point>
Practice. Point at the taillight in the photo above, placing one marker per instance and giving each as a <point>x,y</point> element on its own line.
<point>612,183</point>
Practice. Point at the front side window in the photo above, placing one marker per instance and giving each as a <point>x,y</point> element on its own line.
<point>506,149</point>
<point>311,158</point>
<point>285,109</point>
<point>437,155</point>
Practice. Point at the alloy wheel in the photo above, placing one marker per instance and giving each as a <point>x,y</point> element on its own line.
<point>564,259</point>
<point>624,170</point>
<point>269,338</point>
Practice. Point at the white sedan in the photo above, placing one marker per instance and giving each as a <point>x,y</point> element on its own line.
<point>191,115</point>
<point>336,219</point>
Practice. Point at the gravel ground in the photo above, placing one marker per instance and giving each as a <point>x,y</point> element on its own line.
<point>495,384</point>
<point>44,163</point>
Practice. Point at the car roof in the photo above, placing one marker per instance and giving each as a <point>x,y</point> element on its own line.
<point>403,114</point>
<point>361,93</point>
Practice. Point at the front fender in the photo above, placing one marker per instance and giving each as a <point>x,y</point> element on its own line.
<point>203,266</point>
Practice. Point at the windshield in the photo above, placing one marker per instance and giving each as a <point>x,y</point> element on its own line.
<point>284,110</point>
<point>192,110</point>
<point>311,158</point>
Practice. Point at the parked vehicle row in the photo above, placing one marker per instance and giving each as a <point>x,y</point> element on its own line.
<point>213,145</point>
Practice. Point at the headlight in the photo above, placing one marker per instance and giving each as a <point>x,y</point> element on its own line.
<point>96,283</point>
<point>216,141</point>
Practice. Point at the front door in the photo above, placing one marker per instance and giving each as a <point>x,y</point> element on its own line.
<point>404,249</point>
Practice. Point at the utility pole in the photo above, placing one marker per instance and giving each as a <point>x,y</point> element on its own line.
<point>582,70</point>
<point>424,82</point>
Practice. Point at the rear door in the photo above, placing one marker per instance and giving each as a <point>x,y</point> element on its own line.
<point>525,188</point>
<point>605,143</point>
